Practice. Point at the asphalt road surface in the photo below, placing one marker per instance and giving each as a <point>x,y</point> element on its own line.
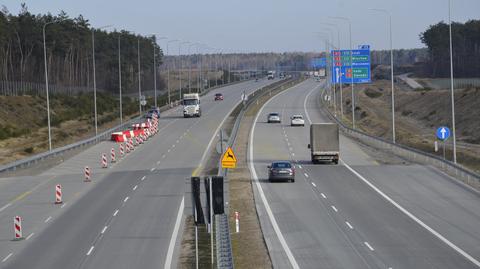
<point>130,215</point>
<point>358,214</point>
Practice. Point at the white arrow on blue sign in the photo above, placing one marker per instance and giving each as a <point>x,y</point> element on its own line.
<point>443,133</point>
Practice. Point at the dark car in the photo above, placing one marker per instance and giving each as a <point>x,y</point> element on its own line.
<point>218,97</point>
<point>281,171</point>
<point>153,111</point>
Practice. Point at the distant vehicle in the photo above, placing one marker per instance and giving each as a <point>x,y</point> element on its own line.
<point>282,75</point>
<point>271,75</point>
<point>218,97</point>
<point>191,105</point>
<point>324,142</point>
<point>281,171</point>
<point>274,117</point>
<point>297,120</point>
<point>152,112</point>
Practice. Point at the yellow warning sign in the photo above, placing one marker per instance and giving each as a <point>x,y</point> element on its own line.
<point>229,160</point>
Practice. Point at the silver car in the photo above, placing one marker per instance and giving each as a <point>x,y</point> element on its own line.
<point>273,117</point>
<point>281,171</point>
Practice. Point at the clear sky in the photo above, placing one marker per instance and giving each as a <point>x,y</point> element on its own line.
<point>263,25</point>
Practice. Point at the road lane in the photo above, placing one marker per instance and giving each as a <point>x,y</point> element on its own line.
<point>329,217</point>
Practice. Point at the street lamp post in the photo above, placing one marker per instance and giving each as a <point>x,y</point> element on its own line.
<point>190,66</point>
<point>46,83</point>
<point>155,67</point>
<point>454,140</point>
<point>180,66</point>
<point>351,67</point>
<point>120,79</point>
<point>168,71</point>
<point>391,69</point>
<point>139,77</point>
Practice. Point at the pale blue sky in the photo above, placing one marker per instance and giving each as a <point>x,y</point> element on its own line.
<point>263,25</point>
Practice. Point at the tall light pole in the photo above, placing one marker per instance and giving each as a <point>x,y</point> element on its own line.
<point>120,79</point>
<point>327,46</point>
<point>46,83</point>
<point>94,76</point>
<point>451,83</point>
<point>351,67</point>
<point>155,66</point>
<point>139,81</point>
<point>168,71</point>
<point>180,66</point>
<point>391,68</point>
<point>190,66</point>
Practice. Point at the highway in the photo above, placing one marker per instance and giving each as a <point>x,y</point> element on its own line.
<point>130,215</point>
<point>360,213</point>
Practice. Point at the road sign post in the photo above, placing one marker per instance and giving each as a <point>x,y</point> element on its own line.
<point>443,133</point>
<point>229,160</point>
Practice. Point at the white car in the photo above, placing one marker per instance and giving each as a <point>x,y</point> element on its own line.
<point>297,120</point>
<point>273,117</point>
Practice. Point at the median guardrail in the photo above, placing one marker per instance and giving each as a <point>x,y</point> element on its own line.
<point>465,175</point>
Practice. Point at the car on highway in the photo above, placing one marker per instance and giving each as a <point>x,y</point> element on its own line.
<point>218,97</point>
<point>153,111</point>
<point>274,117</point>
<point>297,120</point>
<point>283,170</point>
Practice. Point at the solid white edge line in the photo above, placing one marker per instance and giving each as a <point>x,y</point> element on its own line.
<point>368,245</point>
<point>6,258</point>
<point>29,236</point>
<point>115,213</point>
<point>399,207</point>
<point>413,217</point>
<point>90,250</point>
<point>273,221</point>
<point>171,246</point>
<point>349,225</point>
<point>5,206</point>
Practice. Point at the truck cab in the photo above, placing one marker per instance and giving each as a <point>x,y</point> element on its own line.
<point>191,105</point>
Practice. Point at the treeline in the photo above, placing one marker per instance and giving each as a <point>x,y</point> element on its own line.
<point>466,49</point>
<point>69,52</point>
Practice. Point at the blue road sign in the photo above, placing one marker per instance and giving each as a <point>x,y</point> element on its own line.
<point>359,68</point>
<point>319,62</point>
<point>443,133</point>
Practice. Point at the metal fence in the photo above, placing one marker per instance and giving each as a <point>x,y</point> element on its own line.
<point>459,172</point>
<point>19,88</point>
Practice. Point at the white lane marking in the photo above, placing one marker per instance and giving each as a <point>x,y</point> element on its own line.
<point>90,250</point>
<point>29,236</point>
<point>48,219</point>
<point>104,229</point>
<point>143,178</point>
<point>158,162</point>
<point>315,185</point>
<point>163,156</point>
<point>171,246</point>
<point>153,169</point>
<point>126,199</point>
<point>115,213</point>
<point>299,166</point>
<point>136,186</point>
<point>64,204</point>
<point>293,154</point>
<point>173,145</point>
<point>5,206</point>
<point>349,225</point>
<point>177,141</point>
<point>184,133</point>
<point>368,246</point>
<point>6,258</point>
<point>288,143</point>
<point>413,217</point>
<point>273,221</point>
<point>168,150</point>
<point>323,195</point>
<point>306,175</point>
<point>305,103</point>
<point>334,208</point>
<point>290,148</point>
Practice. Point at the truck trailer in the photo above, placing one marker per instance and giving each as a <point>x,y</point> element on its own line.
<point>324,142</point>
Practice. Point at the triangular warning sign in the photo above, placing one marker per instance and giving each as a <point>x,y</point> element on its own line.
<point>229,156</point>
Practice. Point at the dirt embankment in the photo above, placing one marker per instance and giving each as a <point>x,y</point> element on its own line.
<point>417,114</point>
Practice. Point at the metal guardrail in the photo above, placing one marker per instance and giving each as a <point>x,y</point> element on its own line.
<point>469,177</point>
<point>223,241</point>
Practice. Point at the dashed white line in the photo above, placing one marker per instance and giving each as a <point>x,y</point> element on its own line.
<point>143,178</point>
<point>104,229</point>
<point>29,236</point>
<point>299,166</point>
<point>126,199</point>
<point>6,258</point>
<point>293,154</point>
<point>64,204</point>
<point>173,145</point>
<point>163,156</point>
<point>306,175</point>
<point>153,169</point>
<point>315,185</point>
<point>288,144</point>
<point>5,206</point>
<point>48,219</point>
<point>290,148</point>
<point>368,246</point>
<point>323,195</point>
<point>115,213</point>
<point>349,225</point>
<point>168,150</point>
<point>334,208</point>
<point>177,141</point>
<point>158,162</point>
<point>90,250</point>
<point>136,186</point>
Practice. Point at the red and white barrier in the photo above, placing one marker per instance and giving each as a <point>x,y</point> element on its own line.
<point>137,140</point>
<point>58,194</point>
<point>130,143</point>
<point>104,161</point>
<point>237,222</point>
<point>87,174</point>
<point>112,155</point>
<point>121,150</point>
<point>17,226</point>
